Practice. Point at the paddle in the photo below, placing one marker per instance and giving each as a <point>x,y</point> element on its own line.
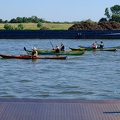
<point>52,45</point>
<point>27,51</point>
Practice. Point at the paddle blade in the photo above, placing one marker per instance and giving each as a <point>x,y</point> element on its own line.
<point>25,49</point>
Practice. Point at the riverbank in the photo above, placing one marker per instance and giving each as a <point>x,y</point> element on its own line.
<point>108,25</point>
<point>33,26</point>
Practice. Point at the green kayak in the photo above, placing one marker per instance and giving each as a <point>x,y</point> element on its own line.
<point>53,52</point>
<point>92,49</point>
<point>114,47</point>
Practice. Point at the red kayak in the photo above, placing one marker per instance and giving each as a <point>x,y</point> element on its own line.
<point>29,57</point>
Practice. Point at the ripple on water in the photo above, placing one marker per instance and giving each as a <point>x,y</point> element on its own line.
<point>24,81</point>
<point>94,75</point>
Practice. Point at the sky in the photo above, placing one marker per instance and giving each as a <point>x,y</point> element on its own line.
<point>56,10</point>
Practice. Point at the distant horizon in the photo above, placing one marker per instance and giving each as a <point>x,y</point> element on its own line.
<point>56,10</point>
<point>50,21</point>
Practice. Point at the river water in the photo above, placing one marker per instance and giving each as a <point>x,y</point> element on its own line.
<point>92,76</point>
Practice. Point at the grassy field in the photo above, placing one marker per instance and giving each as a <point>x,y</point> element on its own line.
<point>33,26</point>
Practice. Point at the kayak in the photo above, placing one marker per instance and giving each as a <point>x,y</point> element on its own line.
<point>92,49</point>
<point>53,52</point>
<point>73,53</point>
<point>117,47</point>
<point>29,57</point>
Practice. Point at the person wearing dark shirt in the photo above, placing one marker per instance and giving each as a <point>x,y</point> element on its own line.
<point>101,44</point>
<point>62,47</point>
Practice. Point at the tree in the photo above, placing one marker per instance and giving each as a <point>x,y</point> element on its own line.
<point>107,13</point>
<point>116,18</point>
<point>103,20</point>
<point>34,19</point>
<point>6,21</point>
<point>39,24</point>
<point>1,20</point>
<point>19,20</point>
<point>115,10</point>
<point>25,20</point>
<point>20,27</point>
<point>115,13</point>
<point>13,21</point>
<point>8,27</point>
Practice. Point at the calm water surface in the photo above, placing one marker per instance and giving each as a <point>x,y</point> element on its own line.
<point>92,76</point>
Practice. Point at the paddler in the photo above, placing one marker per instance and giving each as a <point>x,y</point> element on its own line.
<point>57,49</point>
<point>101,44</point>
<point>62,47</point>
<point>34,52</point>
<point>94,46</point>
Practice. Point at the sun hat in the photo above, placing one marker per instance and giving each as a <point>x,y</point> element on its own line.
<point>33,48</point>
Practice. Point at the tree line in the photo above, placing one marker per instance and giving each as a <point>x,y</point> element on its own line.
<point>33,19</point>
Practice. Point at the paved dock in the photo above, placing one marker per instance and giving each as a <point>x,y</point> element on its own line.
<point>53,109</point>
